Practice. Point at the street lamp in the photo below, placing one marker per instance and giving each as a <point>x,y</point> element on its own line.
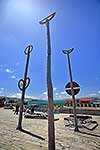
<point>51,128</point>
<point>67,52</point>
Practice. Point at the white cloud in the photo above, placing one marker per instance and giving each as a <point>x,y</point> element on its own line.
<point>45,93</point>
<point>93,94</point>
<point>18,95</point>
<point>14,77</point>
<point>54,89</point>
<point>1,89</point>
<point>99,92</point>
<point>32,97</point>
<point>59,96</point>
<point>56,93</point>
<point>63,93</point>
<point>9,71</point>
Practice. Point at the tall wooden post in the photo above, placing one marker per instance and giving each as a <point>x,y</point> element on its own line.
<point>23,84</point>
<point>51,128</point>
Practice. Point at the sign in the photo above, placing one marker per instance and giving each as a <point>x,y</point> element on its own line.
<point>75,87</point>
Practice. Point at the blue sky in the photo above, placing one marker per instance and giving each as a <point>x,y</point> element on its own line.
<point>76,24</point>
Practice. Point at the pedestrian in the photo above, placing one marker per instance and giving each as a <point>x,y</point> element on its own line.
<point>17,109</point>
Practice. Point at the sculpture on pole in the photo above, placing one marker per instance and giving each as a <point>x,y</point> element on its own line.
<point>51,128</point>
<point>23,84</point>
<point>72,89</point>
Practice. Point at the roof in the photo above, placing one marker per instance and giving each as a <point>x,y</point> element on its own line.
<point>85,99</point>
<point>80,99</point>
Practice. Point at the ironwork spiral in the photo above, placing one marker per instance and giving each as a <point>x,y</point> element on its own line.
<point>28,49</point>
<point>23,84</point>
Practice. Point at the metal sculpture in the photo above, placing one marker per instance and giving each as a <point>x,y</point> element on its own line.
<point>84,121</point>
<point>51,129</point>
<point>76,88</point>
<point>23,84</point>
<point>71,85</point>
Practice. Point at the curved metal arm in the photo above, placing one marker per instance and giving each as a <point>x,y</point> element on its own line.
<point>28,49</point>
<point>47,19</point>
<point>68,51</point>
<point>22,82</point>
<point>27,82</point>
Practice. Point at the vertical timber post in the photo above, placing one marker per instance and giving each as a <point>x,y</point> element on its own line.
<point>72,90</point>
<point>51,128</point>
<point>23,84</point>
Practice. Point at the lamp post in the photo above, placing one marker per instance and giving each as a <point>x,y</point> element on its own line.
<point>23,84</point>
<point>67,52</point>
<point>51,128</point>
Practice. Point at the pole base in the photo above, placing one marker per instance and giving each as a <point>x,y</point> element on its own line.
<point>19,128</point>
<point>76,130</point>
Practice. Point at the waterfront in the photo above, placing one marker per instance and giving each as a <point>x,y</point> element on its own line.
<point>66,139</point>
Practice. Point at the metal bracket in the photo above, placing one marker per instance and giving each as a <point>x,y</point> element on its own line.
<point>28,49</point>
<point>68,51</point>
<point>47,19</point>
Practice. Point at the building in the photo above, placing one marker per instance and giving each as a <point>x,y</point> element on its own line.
<point>84,102</point>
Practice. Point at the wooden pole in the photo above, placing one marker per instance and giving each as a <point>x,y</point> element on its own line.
<point>51,128</point>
